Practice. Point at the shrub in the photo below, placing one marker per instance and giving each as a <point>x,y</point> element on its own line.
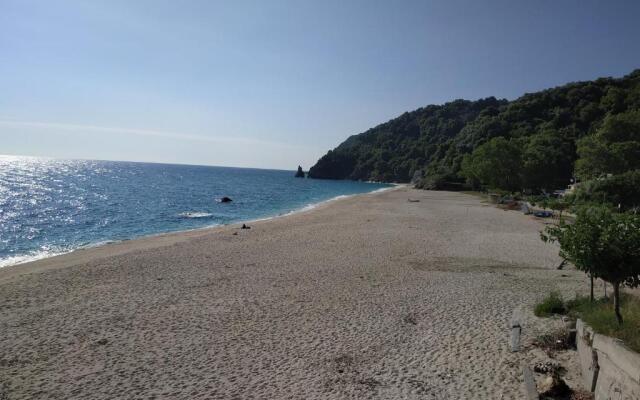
<point>623,190</point>
<point>552,304</point>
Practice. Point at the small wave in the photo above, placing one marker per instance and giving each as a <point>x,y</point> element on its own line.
<point>25,258</point>
<point>384,189</point>
<point>98,244</point>
<point>57,251</point>
<point>195,214</point>
<point>308,207</point>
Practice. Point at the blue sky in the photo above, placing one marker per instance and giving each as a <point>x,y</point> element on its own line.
<point>275,84</point>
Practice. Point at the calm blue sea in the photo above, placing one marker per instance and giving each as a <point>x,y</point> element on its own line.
<point>49,207</point>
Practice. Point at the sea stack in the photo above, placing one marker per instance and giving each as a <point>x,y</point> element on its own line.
<point>300,172</point>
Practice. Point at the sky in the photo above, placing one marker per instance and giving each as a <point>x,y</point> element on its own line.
<point>275,84</point>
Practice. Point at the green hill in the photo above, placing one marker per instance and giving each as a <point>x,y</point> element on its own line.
<point>541,134</point>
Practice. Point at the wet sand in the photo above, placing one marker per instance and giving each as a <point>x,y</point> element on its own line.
<point>369,297</point>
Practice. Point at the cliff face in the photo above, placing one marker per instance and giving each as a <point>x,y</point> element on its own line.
<point>434,139</point>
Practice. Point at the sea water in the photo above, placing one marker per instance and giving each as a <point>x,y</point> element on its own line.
<point>49,207</point>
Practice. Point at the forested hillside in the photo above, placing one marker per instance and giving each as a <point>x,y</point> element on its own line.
<point>530,143</point>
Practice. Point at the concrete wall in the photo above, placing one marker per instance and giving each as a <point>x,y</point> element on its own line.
<point>586,354</point>
<point>609,369</point>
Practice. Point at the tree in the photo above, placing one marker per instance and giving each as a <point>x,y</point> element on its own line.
<point>547,160</point>
<point>614,149</point>
<point>495,163</point>
<point>603,244</point>
<point>595,159</point>
<point>614,100</point>
<point>619,190</point>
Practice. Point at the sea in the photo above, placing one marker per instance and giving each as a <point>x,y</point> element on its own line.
<point>50,206</point>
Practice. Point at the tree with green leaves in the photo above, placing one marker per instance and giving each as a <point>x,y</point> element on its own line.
<point>547,161</point>
<point>613,149</point>
<point>621,191</point>
<point>602,244</point>
<point>495,164</point>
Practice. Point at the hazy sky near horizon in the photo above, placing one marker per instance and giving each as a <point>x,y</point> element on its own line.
<point>274,84</point>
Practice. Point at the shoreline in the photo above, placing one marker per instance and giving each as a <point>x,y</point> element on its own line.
<point>42,262</point>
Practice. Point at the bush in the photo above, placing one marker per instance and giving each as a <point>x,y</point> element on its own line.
<point>552,304</point>
<point>440,180</point>
<point>623,190</point>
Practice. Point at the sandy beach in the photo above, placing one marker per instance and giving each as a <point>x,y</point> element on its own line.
<point>369,297</point>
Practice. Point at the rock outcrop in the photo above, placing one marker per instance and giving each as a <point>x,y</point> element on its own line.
<point>300,172</point>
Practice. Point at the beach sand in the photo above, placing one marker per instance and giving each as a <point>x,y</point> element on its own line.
<point>370,296</point>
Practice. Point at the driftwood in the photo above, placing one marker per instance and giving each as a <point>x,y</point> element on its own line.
<point>562,264</point>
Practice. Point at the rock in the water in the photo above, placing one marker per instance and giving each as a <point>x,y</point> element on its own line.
<point>300,173</point>
<point>225,199</point>
<point>554,387</point>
